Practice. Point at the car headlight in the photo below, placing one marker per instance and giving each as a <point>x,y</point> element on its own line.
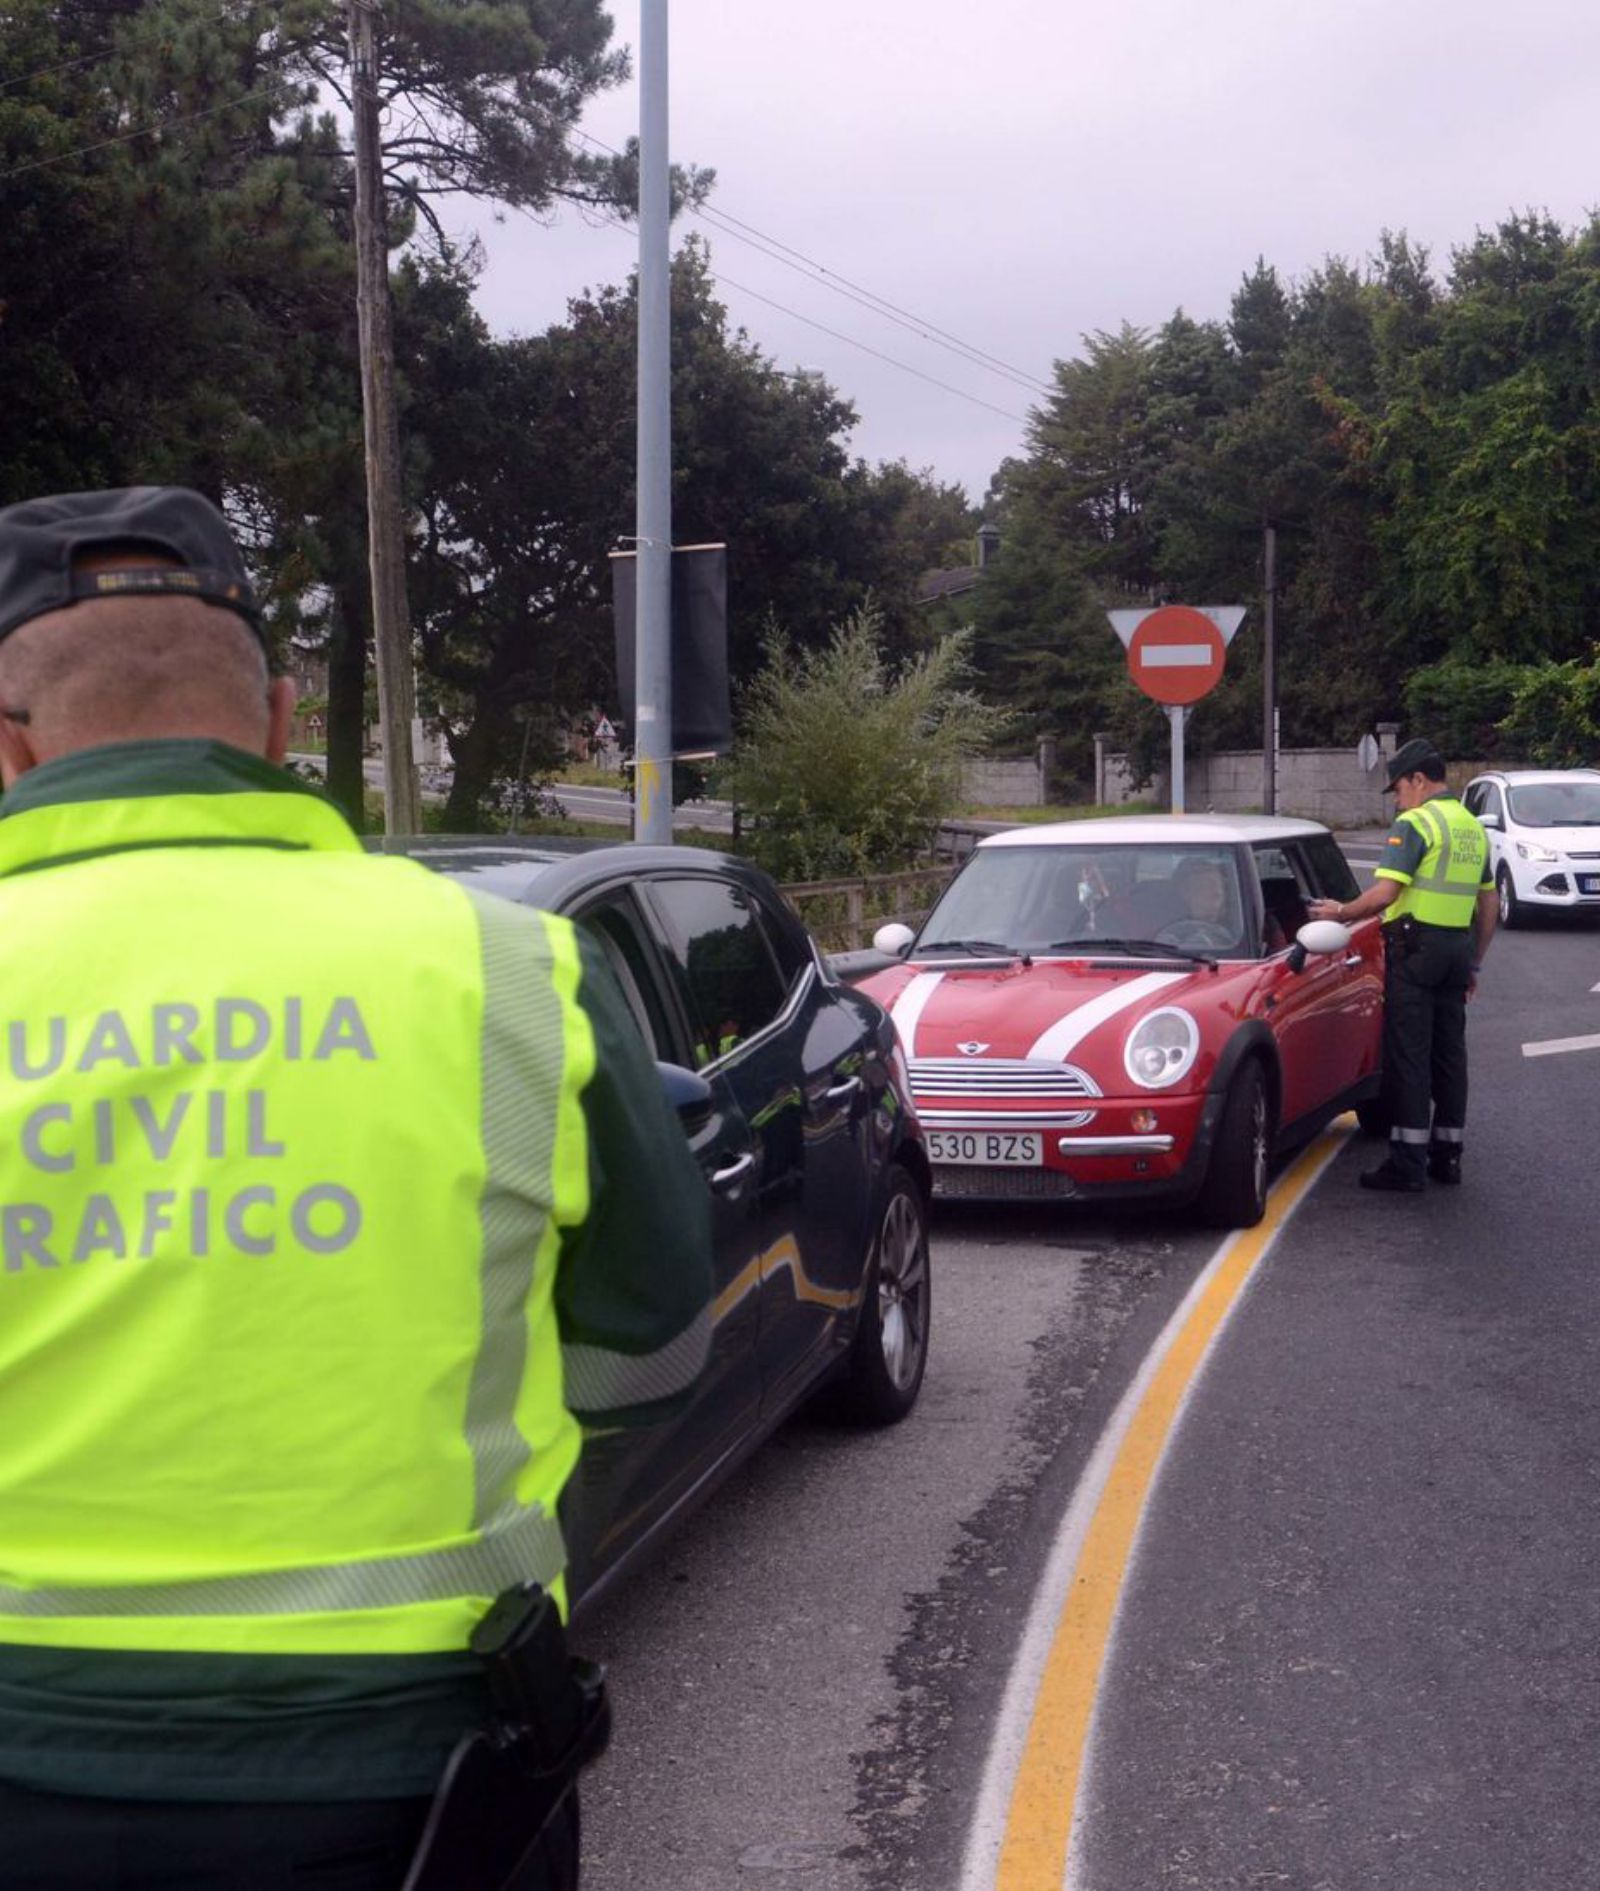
<point>1161,1048</point>
<point>1531,850</point>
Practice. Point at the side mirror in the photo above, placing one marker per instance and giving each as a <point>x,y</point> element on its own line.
<point>1317,938</point>
<point>1490,820</point>
<point>894,939</point>
<point>687,1092</point>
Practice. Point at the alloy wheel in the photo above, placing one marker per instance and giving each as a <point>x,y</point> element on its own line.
<point>902,1289</point>
<point>1260,1151</point>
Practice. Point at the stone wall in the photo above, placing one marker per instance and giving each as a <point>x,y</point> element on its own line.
<point>998,784</point>
<point>1327,785</point>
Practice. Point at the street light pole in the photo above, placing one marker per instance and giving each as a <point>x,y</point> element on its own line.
<point>652,722</point>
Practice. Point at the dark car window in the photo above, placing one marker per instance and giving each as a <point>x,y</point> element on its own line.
<point>1493,803</point>
<point>731,980</point>
<point>1473,799</point>
<point>616,925</point>
<point>1329,868</point>
<point>787,938</point>
<point>1285,888</point>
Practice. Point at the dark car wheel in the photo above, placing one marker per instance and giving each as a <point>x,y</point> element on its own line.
<point>1234,1193</point>
<point>1512,911</point>
<point>890,1349</point>
<point>1372,1118</point>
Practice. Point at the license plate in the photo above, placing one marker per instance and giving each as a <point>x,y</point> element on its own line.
<point>992,1148</point>
<point>1589,882</point>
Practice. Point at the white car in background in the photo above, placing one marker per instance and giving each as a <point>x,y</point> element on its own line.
<point>1544,838</point>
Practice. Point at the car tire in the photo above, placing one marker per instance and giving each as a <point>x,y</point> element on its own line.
<point>1234,1193</point>
<point>1372,1118</point>
<point>889,1353</point>
<point>1512,910</point>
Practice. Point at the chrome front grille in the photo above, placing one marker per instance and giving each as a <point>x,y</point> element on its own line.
<point>997,1077</point>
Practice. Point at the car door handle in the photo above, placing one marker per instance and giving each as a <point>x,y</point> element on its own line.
<point>1353,958</point>
<point>739,1167</point>
<point>836,1093</point>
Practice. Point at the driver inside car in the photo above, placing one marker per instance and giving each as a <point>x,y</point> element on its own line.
<point>1207,917</point>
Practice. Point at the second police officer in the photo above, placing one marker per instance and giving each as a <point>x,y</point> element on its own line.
<point>1436,893</point>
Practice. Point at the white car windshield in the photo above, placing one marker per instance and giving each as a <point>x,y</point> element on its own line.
<point>1072,899</point>
<point>1556,804</point>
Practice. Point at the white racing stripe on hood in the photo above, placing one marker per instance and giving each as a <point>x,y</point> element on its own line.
<point>1066,1034</point>
<point>908,1008</point>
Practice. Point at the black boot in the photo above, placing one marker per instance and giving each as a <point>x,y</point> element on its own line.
<point>1444,1163</point>
<point>1392,1179</point>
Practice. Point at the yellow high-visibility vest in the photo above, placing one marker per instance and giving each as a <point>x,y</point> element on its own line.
<point>1444,889</point>
<point>288,1138</point>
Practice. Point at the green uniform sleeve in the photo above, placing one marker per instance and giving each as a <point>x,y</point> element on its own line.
<point>633,1286</point>
<point>1404,848</point>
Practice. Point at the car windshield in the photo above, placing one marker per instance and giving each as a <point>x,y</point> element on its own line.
<point>1556,804</point>
<point>1115,900</point>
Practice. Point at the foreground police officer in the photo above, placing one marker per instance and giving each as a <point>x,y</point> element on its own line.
<point>320,1177</point>
<point>1436,893</point>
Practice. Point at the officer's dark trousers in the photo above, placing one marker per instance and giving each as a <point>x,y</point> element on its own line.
<point>54,1843</point>
<point>1425,1041</point>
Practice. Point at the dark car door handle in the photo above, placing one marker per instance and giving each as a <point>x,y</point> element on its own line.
<point>837,1093</point>
<point>739,1167</point>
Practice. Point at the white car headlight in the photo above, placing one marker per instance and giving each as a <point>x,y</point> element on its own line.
<point>1531,850</point>
<point>1161,1048</point>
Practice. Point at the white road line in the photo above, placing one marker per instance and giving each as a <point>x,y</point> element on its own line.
<point>1554,1046</point>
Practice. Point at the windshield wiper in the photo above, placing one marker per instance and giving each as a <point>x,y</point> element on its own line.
<point>975,948</point>
<point>1138,948</point>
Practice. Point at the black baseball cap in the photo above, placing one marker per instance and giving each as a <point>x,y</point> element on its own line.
<point>42,539</point>
<point>1418,756</point>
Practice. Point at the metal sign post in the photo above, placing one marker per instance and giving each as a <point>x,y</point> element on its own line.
<point>1175,655</point>
<point>1177,715</point>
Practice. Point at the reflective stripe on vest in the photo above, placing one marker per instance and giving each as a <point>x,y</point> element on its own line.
<point>1444,889</point>
<point>281,1199</point>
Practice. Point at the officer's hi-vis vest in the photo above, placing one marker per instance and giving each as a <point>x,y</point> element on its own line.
<point>1444,889</point>
<point>288,1136</point>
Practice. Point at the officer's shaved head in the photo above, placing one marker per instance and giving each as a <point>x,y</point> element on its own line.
<point>135,668</point>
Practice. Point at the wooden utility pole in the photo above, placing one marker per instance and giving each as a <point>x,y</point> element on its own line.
<point>391,619</point>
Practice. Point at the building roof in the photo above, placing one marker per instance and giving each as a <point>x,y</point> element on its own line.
<point>951,582</point>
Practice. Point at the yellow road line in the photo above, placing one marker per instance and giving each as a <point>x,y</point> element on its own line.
<point>1043,1801</point>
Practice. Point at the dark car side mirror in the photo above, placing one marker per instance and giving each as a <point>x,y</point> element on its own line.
<point>688,1093</point>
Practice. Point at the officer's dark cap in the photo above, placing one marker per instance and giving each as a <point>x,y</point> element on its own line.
<point>1416,757</point>
<point>43,540</point>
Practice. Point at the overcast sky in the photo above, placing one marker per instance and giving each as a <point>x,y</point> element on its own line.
<point>1022,172</point>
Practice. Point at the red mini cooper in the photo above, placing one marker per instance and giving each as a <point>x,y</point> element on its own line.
<point>1136,1007</point>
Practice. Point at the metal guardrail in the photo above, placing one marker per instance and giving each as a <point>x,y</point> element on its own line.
<point>842,915</point>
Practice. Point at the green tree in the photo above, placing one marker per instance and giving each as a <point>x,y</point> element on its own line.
<point>846,766</point>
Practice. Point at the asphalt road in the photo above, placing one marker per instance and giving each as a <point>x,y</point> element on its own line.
<point>1360,1642</point>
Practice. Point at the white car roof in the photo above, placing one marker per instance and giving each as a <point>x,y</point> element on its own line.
<point>1128,830</point>
<point>1528,777</point>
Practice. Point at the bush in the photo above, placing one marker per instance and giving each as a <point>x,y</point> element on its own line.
<point>1554,721</point>
<point>845,769</point>
<point>1461,707</point>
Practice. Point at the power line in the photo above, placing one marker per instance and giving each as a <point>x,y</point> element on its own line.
<point>841,285</point>
<point>126,137</point>
<point>876,305</point>
<point>919,324</point>
<point>876,353</point>
<point>91,59</point>
<point>837,334</point>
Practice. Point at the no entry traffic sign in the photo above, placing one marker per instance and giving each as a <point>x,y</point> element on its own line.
<point>1176,654</point>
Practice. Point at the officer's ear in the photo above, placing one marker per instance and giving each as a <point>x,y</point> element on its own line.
<point>16,751</point>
